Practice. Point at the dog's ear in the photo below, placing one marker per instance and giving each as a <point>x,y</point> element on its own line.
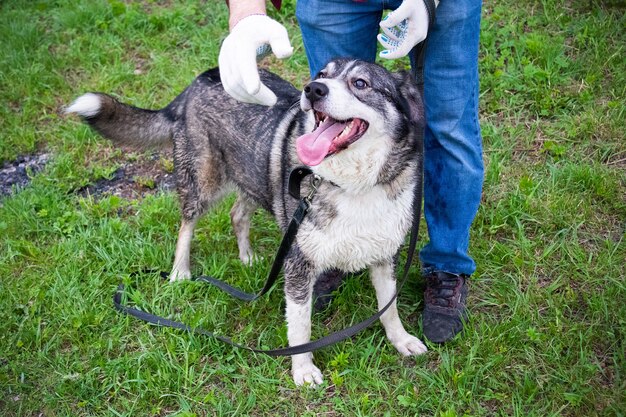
<point>410,99</point>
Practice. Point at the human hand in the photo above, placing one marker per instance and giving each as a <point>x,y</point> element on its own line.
<point>404,28</point>
<point>238,57</point>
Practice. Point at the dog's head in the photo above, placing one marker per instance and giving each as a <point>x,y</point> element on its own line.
<point>368,123</point>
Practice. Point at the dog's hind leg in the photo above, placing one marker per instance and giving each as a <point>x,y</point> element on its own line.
<point>181,269</point>
<point>384,282</point>
<point>193,208</point>
<point>200,184</point>
<point>299,279</point>
<point>240,216</point>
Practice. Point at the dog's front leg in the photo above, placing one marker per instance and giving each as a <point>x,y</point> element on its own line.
<point>384,282</point>
<point>299,280</point>
<point>298,332</point>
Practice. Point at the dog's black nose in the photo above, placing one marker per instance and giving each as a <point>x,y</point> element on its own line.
<point>315,91</point>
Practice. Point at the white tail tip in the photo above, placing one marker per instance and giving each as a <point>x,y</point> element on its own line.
<point>87,105</point>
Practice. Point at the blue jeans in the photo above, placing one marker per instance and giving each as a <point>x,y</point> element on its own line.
<point>453,166</point>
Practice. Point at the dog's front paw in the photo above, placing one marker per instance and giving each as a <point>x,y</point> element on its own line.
<point>179,275</point>
<point>307,374</point>
<point>409,345</point>
<point>247,256</point>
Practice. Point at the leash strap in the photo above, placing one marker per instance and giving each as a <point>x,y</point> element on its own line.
<point>283,250</point>
<point>296,177</point>
<point>294,224</point>
<point>431,8</point>
<point>291,350</point>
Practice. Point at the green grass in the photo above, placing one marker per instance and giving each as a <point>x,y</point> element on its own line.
<point>547,332</point>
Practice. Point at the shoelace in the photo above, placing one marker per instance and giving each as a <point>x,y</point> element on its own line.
<point>443,291</point>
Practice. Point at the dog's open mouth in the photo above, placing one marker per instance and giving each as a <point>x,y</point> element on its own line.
<point>329,137</point>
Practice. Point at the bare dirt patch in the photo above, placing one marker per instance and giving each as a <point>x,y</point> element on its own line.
<point>17,174</point>
<point>136,177</point>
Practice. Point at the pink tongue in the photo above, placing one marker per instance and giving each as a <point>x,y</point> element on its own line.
<point>313,147</point>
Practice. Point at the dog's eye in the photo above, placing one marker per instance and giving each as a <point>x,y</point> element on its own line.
<point>321,74</point>
<point>359,83</point>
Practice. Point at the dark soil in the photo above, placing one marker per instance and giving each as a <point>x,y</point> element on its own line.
<point>135,178</point>
<point>16,174</point>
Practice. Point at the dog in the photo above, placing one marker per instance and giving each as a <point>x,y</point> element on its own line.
<point>359,128</point>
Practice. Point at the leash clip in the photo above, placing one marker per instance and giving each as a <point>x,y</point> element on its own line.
<point>315,182</point>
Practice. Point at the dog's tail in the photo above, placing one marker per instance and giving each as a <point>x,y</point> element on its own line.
<point>125,124</point>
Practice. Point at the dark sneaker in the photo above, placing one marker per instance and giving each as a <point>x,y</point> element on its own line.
<point>444,309</point>
<point>323,289</point>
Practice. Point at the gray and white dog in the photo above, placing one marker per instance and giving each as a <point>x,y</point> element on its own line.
<point>358,126</point>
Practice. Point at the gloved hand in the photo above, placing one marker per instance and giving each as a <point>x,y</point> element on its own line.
<point>238,57</point>
<point>404,28</point>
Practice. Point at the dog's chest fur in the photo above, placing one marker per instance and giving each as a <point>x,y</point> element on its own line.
<point>354,231</point>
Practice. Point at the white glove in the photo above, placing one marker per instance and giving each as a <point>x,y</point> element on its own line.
<point>403,28</point>
<point>238,57</point>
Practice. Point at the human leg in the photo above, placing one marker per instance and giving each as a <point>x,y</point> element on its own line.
<point>453,167</point>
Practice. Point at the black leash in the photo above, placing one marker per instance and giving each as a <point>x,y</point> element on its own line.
<point>296,176</point>
<point>295,179</point>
